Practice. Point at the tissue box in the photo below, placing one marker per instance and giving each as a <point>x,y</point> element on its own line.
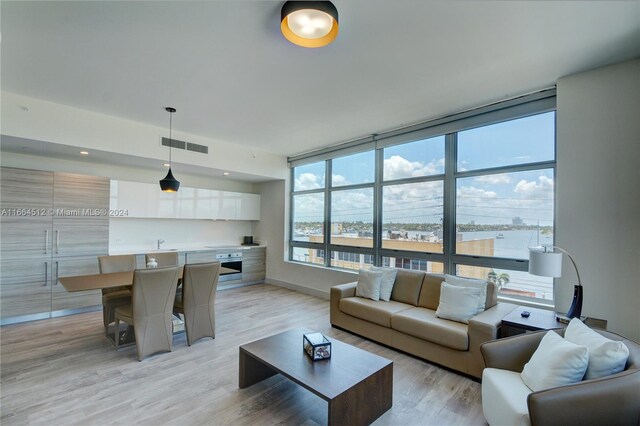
<point>316,346</point>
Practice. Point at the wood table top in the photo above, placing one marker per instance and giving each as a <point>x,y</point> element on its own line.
<point>109,280</point>
<point>327,378</point>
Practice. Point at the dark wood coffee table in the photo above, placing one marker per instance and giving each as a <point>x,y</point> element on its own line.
<point>357,384</point>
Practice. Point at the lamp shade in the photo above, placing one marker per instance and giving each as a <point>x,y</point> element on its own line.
<point>309,23</point>
<point>169,183</point>
<point>545,263</point>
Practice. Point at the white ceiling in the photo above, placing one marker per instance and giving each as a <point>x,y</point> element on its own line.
<point>232,76</point>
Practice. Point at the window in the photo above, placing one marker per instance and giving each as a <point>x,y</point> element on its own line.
<point>503,214</point>
<point>412,215</point>
<point>352,217</point>
<point>469,201</point>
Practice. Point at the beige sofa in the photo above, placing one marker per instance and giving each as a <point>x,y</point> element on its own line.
<point>408,321</point>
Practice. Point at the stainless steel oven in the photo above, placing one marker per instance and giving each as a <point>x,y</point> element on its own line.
<point>230,261</point>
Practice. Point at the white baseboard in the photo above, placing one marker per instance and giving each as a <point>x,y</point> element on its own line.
<point>300,288</point>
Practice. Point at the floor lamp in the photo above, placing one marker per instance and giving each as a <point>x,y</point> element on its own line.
<point>547,262</point>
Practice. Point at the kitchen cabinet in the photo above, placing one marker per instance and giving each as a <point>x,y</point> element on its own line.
<point>254,265</point>
<point>26,201</point>
<point>76,265</point>
<point>52,224</point>
<point>145,200</point>
<point>25,287</point>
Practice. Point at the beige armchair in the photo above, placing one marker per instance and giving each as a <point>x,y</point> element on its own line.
<point>611,400</point>
<point>197,300</point>
<point>150,312</point>
<point>116,296</point>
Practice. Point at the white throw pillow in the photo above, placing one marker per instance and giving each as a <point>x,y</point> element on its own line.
<point>369,284</point>
<point>388,279</point>
<point>457,303</point>
<point>473,283</point>
<point>556,362</point>
<point>606,356</point>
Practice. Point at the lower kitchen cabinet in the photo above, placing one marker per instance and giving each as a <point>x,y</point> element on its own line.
<point>29,288</point>
<point>253,265</point>
<point>62,299</point>
<point>25,287</point>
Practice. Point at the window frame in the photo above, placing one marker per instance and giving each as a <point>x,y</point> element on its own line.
<point>539,103</point>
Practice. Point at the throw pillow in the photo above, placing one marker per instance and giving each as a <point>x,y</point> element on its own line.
<point>368,285</point>
<point>556,362</point>
<point>457,303</point>
<point>606,356</point>
<point>388,279</point>
<point>473,283</point>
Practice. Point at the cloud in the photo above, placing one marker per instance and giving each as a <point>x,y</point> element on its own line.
<point>494,179</point>
<point>397,167</point>
<point>532,190</point>
<point>339,180</point>
<point>308,181</point>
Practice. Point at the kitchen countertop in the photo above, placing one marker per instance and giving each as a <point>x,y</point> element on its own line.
<point>180,248</point>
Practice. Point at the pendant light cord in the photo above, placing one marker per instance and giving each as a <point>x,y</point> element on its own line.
<point>170,139</point>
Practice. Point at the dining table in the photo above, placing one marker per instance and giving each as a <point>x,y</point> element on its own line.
<point>118,279</point>
<point>110,280</point>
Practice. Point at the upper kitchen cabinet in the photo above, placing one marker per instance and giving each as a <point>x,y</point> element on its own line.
<point>26,203</point>
<point>81,222</point>
<point>145,200</point>
<point>249,207</point>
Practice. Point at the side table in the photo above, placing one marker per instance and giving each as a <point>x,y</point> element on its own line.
<point>539,319</point>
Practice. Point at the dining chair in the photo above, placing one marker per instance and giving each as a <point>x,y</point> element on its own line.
<point>150,311</point>
<point>197,300</point>
<point>164,259</point>
<point>116,296</point>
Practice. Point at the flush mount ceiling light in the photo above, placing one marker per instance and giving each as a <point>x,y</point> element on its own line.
<point>169,183</point>
<point>309,23</point>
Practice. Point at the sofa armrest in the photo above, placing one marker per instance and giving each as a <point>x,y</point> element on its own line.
<point>338,292</point>
<point>607,400</point>
<point>485,326</point>
<point>511,353</point>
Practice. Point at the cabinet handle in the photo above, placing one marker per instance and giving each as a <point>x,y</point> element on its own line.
<point>46,241</point>
<point>57,272</point>
<point>57,240</point>
<point>46,273</point>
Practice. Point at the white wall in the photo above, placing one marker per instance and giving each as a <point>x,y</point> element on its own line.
<point>128,234</point>
<point>598,192</point>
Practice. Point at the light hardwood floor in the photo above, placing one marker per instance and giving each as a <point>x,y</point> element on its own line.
<point>63,371</point>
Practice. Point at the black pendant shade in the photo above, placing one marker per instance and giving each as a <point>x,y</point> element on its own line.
<point>169,183</point>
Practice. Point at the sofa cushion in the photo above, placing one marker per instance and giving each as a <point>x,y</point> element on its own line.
<point>459,303</point>
<point>368,285</point>
<point>473,283</point>
<point>388,280</point>
<point>504,398</point>
<point>606,356</point>
<point>406,289</point>
<point>430,292</point>
<point>556,362</point>
<point>369,310</point>
<point>423,324</point>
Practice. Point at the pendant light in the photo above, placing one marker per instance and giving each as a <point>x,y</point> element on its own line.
<point>169,183</point>
<point>309,23</point>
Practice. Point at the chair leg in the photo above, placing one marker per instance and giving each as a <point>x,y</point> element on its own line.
<point>117,332</point>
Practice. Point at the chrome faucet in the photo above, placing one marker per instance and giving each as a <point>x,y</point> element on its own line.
<point>160,241</point>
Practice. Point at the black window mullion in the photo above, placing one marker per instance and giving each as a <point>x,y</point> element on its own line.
<point>449,218</point>
<point>327,213</point>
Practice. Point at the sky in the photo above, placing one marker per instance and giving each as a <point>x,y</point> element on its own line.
<point>487,199</point>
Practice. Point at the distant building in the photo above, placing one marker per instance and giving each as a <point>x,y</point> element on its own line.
<point>472,222</point>
<point>517,221</point>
